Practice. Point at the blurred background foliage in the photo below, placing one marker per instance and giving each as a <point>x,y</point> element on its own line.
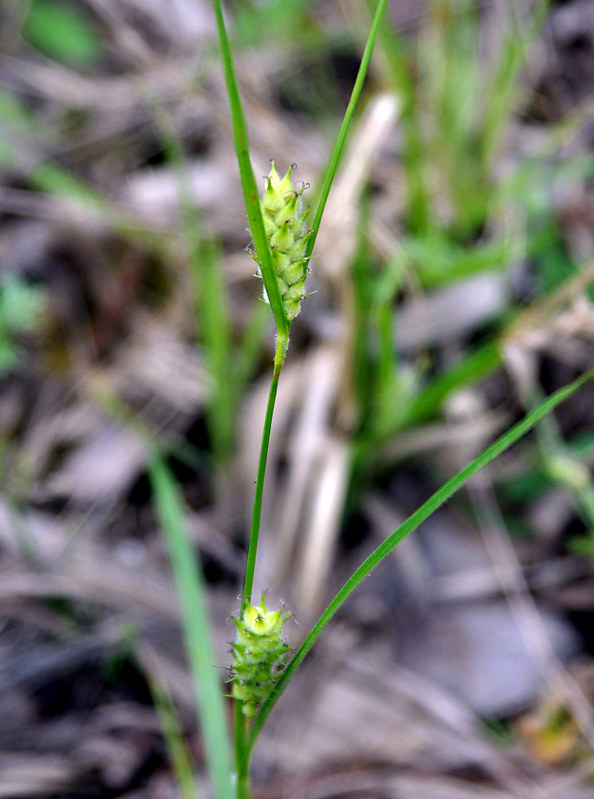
<point>452,289</point>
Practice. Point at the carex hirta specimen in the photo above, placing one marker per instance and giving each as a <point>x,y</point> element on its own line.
<point>261,674</point>
<point>260,652</point>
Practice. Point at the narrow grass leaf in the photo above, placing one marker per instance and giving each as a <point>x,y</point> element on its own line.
<point>248,181</point>
<point>191,589</point>
<point>413,521</point>
<point>346,123</point>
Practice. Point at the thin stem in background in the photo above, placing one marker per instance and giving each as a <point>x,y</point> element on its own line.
<point>177,747</point>
<point>344,128</point>
<point>413,521</point>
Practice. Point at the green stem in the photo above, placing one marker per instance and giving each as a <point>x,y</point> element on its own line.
<point>241,761</point>
<point>248,583</point>
<point>239,738</point>
<point>243,787</point>
<point>242,754</point>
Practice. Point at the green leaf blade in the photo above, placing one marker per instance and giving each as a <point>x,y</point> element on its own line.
<point>248,181</point>
<point>346,124</point>
<point>420,515</point>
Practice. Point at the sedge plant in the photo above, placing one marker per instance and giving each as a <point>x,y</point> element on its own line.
<point>263,665</point>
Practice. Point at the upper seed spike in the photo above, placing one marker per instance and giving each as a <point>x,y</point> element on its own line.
<point>284,225</point>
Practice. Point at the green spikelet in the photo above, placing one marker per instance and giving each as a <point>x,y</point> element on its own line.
<point>260,655</point>
<point>284,223</point>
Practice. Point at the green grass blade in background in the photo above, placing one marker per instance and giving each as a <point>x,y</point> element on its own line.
<point>64,32</point>
<point>248,181</point>
<point>229,364</point>
<point>196,623</point>
<point>215,333</point>
<point>418,517</point>
<point>346,123</point>
<point>476,364</point>
<point>418,215</point>
<point>504,85</point>
<point>259,23</point>
<point>59,182</point>
<point>177,748</point>
<point>249,349</point>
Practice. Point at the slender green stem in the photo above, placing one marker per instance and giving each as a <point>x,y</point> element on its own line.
<point>239,737</point>
<point>242,763</point>
<point>243,786</point>
<point>346,123</point>
<point>241,755</point>
<point>242,759</point>
<point>250,567</point>
<point>430,506</point>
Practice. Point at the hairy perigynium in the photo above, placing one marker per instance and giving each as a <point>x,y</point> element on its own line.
<point>284,224</point>
<point>260,655</point>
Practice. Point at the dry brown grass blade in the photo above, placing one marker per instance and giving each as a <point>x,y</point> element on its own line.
<point>94,580</point>
<point>36,775</point>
